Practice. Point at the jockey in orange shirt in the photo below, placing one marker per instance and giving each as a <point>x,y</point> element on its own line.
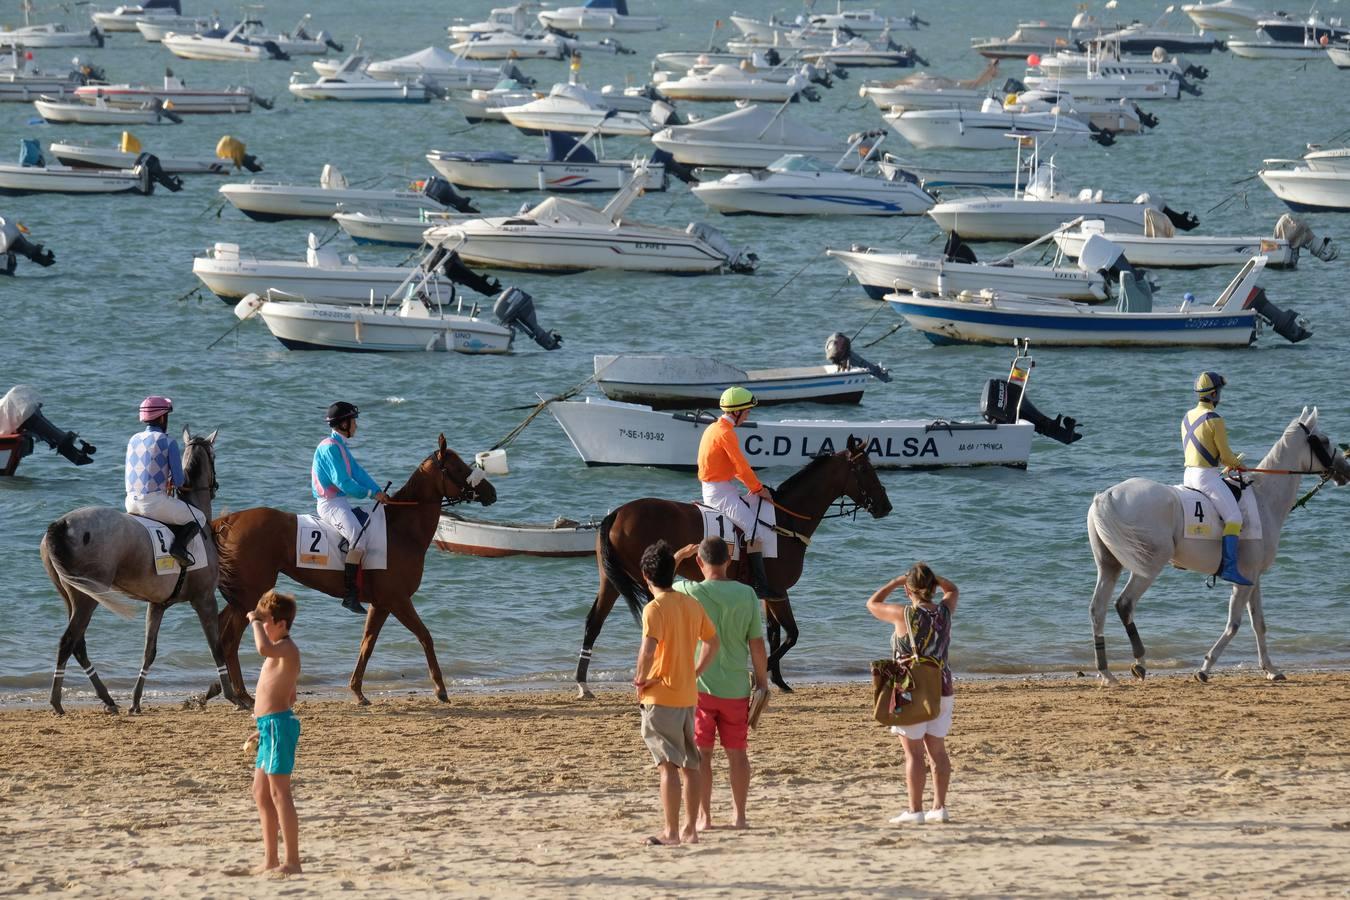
<point>721,463</point>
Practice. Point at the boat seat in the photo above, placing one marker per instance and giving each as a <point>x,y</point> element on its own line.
<point>1135,297</point>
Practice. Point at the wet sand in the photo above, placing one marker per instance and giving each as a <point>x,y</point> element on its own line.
<point>1060,788</point>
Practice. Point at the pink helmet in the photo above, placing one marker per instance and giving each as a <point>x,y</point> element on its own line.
<point>154,407</point>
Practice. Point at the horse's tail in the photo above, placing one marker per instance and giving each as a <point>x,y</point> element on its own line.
<point>59,552</point>
<point>1127,543</point>
<point>635,594</point>
<point>227,558</point>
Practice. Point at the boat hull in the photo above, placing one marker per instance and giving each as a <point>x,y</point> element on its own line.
<point>85,157</point>
<point>664,382</point>
<point>608,433</point>
<point>210,50</point>
<point>883,273</point>
<point>961,130</point>
<point>1305,190</point>
<point>390,92</point>
<point>398,231</point>
<point>304,326</point>
<point>276,202</point>
<point>542,175</point>
<point>233,279</point>
<point>535,248</point>
<point>1185,251</point>
<point>1026,220</point>
<point>82,114</point>
<point>1275,50</point>
<point>745,195</point>
<point>20,180</point>
<point>581,19</point>
<point>183,102</point>
<point>475,537</point>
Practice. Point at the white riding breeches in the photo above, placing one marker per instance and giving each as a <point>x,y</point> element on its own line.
<point>726,498</point>
<point>1210,483</point>
<point>163,508</point>
<point>337,511</point>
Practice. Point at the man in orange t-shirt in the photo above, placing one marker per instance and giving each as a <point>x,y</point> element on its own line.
<point>666,679</point>
<point>721,463</point>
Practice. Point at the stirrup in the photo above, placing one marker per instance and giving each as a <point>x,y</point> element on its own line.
<point>182,539</point>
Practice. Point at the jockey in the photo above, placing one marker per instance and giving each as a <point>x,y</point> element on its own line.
<point>720,464</point>
<point>154,469</point>
<point>1204,439</point>
<point>337,478</point>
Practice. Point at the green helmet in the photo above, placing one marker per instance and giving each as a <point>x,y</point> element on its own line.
<point>1208,385</point>
<point>736,398</point>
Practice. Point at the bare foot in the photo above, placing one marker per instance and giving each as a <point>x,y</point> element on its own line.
<point>704,824</point>
<point>264,868</point>
<point>290,869</point>
<point>739,824</point>
<point>689,836</point>
<point>662,841</point>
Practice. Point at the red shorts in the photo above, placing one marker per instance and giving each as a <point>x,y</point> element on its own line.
<point>727,718</point>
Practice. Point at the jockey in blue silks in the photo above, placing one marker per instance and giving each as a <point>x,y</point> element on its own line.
<point>337,478</point>
<point>154,469</point>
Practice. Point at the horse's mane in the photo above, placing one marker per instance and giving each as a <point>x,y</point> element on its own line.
<point>810,470</point>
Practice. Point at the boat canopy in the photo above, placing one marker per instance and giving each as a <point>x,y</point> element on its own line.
<point>30,153</point>
<point>563,146</point>
<point>432,59</point>
<point>619,6</point>
<point>174,5</point>
<point>562,209</point>
<point>754,124</point>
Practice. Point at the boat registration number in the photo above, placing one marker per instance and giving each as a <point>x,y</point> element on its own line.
<point>634,435</point>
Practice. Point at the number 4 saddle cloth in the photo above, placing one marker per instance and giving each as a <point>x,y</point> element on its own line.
<point>161,539</point>
<point>318,545</point>
<point>1201,520</point>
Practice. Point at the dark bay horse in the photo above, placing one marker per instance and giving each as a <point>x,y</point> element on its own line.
<point>256,545</point>
<point>803,501</point>
<point>100,555</point>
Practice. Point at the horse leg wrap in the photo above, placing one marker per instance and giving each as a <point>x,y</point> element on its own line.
<point>89,670</point>
<point>583,665</point>
<point>1136,644</point>
<point>1100,644</point>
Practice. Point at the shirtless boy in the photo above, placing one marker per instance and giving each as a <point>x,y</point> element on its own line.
<point>278,729</point>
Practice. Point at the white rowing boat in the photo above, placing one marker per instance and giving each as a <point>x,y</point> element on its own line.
<point>478,537</point>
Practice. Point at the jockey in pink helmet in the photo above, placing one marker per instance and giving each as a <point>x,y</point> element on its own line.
<point>154,470</point>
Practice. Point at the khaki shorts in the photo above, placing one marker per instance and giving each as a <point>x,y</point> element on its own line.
<point>668,732</point>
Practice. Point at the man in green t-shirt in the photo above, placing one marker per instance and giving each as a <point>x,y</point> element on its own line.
<point>724,687</point>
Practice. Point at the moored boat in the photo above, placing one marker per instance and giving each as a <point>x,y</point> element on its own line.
<point>562,537</point>
<point>173,93</point>
<point>271,202</point>
<point>1160,247</point>
<point>231,155</point>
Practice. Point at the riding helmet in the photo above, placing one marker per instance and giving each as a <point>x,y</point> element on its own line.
<point>737,398</point>
<point>1208,385</point>
<point>153,407</point>
<point>341,411</point>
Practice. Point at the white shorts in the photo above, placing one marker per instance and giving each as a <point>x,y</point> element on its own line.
<point>1210,483</point>
<point>937,728</point>
<point>163,508</point>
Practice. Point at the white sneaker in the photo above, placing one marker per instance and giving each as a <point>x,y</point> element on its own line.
<point>908,818</point>
<point>937,815</point>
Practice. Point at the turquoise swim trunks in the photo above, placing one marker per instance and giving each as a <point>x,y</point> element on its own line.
<point>278,735</point>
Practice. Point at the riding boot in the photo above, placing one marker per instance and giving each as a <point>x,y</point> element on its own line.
<point>1228,569</point>
<point>182,537</point>
<point>759,579</point>
<point>349,598</point>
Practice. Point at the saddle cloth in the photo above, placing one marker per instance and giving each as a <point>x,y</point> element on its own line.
<point>715,524</point>
<point>1201,520</point>
<point>318,545</point>
<point>161,539</point>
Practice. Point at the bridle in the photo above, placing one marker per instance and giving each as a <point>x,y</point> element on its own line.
<point>203,443</point>
<point>468,486</point>
<point>866,501</point>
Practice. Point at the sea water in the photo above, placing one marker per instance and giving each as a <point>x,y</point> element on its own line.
<point>106,326</point>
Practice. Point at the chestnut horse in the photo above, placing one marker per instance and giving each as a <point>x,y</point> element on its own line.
<point>256,545</point>
<point>803,501</point>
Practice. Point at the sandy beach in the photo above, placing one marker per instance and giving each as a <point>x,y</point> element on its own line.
<point>1060,788</point>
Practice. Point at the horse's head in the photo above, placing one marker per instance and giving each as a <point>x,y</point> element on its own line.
<point>862,484</point>
<point>459,482</point>
<point>1322,456</point>
<point>199,464</point>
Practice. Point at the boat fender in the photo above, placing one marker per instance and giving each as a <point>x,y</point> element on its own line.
<point>245,308</point>
<point>1288,324</point>
<point>439,189</point>
<point>999,406</point>
<point>515,309</point>
<point>839,350</point>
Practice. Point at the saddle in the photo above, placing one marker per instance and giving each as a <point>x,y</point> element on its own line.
<point>1201,521</point>
<point>715,524</point>
<point>319,545</point>
<point>161,536</point>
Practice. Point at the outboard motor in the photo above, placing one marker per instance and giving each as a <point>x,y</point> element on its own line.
<point>515,309</point>
<point>21,412</point>
<point>439,189</point>
<point>151,172</point>
<point>1287,324</point>
<point>13,244</point>
<point>512,71</point>
<point>1299,236</point>
<point>771,57</point>
<point>452,267</point>
<point>274,51</point>
<point>839,350</point>
<point>163,109</point>
<point>97,36</point>
<point>565,35</point>
<point>673,166</point>
<point>1183,220</point>
<point>1148,120</point>
<point>810,93</point>
<point>1187,87</point>
<point>329,42</point>
<point>232,149</point>
<point>999,406</point>
<point>740,261</point>
<point>663,113</point>
<point>1101,135</point>
<point>958,250</point>
<point>1012,86</point>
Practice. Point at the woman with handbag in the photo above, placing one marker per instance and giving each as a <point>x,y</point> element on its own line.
<point>923,631</point>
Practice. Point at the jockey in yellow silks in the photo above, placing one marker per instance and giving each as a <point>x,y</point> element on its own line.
<point>1204,439</point>
<point>721,463</point>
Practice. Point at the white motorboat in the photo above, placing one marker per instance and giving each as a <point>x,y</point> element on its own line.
<point>1307,189</point>
<point>769,33</point>
<point>271,202</point>
<point>438,69</point>
<point>124,18</point>
<point>1334,159</point>
<point>881,272</point>
<point>749,138</point>
<point>722,83</point>
<point>1040,209</point>
<point>924,90</point>
<point>1160,247</point>
<point>1113,117</point>
<point>933,178</point>
<point>569,166</point>
<point>33,176</point>
<point>564,235</point>
<point>97,111</point>
<point>512,19</point>
<point>352,83</point>
<point>512,46</point>
<point>1039,36</point>
<point>562,537</point>
<point>856,52</point>
<point>1285,29</point>
<point>53,34</point>
<point>1307,48</point>
<point>1105,61</point>
<point>1224,15</point>
<point>1141,37</point>
<point>862,20</point>
<point>1099,86</point>
<point>231,154</point>
<point>232,45</point>
<point>153,30</point>
<point>797,185</point>
<point>486,106</point>
<point>609,433</point>
<point>298,41</point>
<point>21,81</point>
<point>399,231</point>
<point>599,15</point>
<point>995,318</point>
<point>665,381</point>
<point>987,129</point>
<point>576,109</point>
<point>1339,54</point>
<point>174,94</point>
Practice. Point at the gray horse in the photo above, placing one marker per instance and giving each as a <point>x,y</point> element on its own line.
<point>101,555</point>
<point>1137,525</point>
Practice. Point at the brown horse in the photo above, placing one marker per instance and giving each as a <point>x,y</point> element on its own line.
<point>258,544</point>
<point>803,501</point>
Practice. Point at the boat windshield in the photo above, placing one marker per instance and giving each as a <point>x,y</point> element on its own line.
<point>796,162</point>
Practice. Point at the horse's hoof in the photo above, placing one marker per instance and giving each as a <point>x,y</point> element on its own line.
<point>110,708</point>
<point>442,696</point>
<point>134,711</point>
<point>361,700</point>
<point>1202,677</point>
<point>1138,671</point>
<point>58,711</point>
<point>782,685</point>
<point>1275,676</point>
<point>1106,679</point>
<point>584,692</point>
